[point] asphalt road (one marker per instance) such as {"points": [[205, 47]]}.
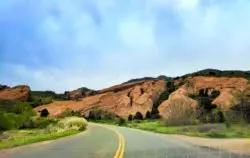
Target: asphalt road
{"points": [[101, 141]]}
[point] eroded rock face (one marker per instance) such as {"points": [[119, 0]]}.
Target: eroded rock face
{"points": [[19, 93], [228, 88], [140, 96], [122, 99]]}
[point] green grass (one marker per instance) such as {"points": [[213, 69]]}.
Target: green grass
{"points": [[23, 137], [202, 130], [63, 127], [205, 130]]}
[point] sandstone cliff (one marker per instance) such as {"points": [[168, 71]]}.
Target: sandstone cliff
{"points": [[18, 93], [122, 100], [228, 88]]}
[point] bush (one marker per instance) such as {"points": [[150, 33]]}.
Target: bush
{"points": [[68, 123], [7, 121], [138, 116], [148, 115], [130, 117], [233, 117], [209, 127], [43, 122], [98, 114], [44, 113], [179, 113], [21, 107], [36, 101], [16, 116], [13, 121], [215, 94], [69, 112], [216, 134], [121, 121], [7, 105]]}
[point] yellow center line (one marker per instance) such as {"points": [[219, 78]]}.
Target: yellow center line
{"points": [[121, 146]]}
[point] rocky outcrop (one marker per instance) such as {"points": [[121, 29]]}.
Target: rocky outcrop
{"points": [[18, 93], [122, 100], [2, 87], [228, 88], [140, 96], [79, 93]]}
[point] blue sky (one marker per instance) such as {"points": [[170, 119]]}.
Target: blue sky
{"points": [[66, 44]]}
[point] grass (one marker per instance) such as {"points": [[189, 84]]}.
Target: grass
{"points": [[64, 127], [23, 137], [202, 130]]}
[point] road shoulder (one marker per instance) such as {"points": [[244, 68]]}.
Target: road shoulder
{"points": [[234, 145]]}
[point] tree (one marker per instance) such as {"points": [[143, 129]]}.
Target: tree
{"points": [[179, 113], [148, 115], [44, 113], [130, 117], [121, 121], [138, 116], [21, 107]]}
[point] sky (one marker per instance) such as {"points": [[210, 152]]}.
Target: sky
{"points": [[66, 44]]}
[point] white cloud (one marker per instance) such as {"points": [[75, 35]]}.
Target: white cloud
{"points": [[136, 34], [98, 44], [187, 4]]}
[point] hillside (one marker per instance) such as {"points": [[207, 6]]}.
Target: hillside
{"points": [[213, 88], [122, 100]]}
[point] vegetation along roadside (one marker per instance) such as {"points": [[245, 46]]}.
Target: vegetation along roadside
{"points": [[20, 125]]}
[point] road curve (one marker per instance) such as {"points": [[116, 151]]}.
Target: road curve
{"points": [[103, 141]]}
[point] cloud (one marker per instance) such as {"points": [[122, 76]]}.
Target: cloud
{"points": [[63, 45]]}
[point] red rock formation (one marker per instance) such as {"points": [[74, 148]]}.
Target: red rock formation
{"points": [[228, 87], [20, 93], [79, 93], [122, 99], [140, 96]]}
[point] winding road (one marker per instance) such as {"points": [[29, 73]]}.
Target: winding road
{"points": [[103, 141]]}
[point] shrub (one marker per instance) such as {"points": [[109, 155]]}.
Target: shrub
{"points": [[148, 115], [98, 114], [68, 123], [232, 117], [68, 112], [121, 121], [216, 134], [42, 122], [138, 116], [178, 113], [130, 117], [16, 116], [7, 121], [209, 127], [21, 107], [13, 121], [7, 105], [44, 113], [36, 101], [155, 113], [215, 94]]}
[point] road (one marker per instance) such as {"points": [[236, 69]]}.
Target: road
{"points": [[103, 141]]}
